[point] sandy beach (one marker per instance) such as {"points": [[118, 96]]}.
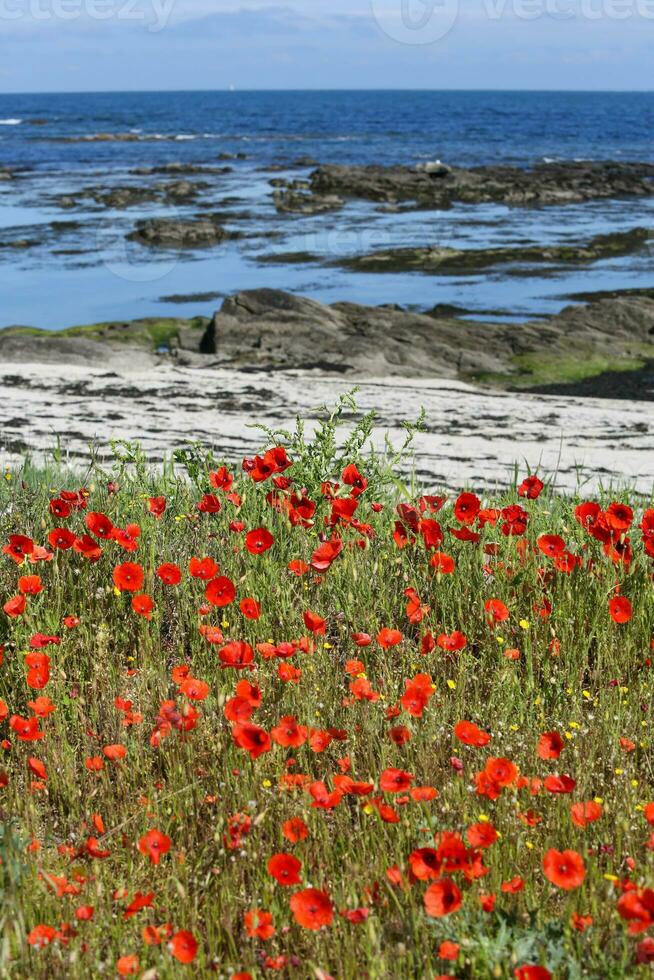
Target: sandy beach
{"points": [[474, 436]]}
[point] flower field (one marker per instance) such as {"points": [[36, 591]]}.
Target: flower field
{"points": [[294, 718]]}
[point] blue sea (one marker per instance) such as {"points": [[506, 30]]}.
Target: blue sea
{"points": [[79, 268]]}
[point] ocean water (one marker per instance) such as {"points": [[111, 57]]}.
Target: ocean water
{"points": [[78, 267]]}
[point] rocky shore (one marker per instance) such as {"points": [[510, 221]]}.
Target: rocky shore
{"points": [[441, 260], [437, 185], [270, 330], [452, 261]]}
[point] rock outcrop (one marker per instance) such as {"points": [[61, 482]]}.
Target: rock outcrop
{"points": [[438, 260], [273, 330], [270, 330], [169, 233], [544, 184]]}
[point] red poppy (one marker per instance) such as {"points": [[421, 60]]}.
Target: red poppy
{"points": [[619, 517], [551, 545], [395, 780], [237, 654], [250, 737], [351, 477], [452, 641], [584, 813], [220, 591], [565, 869], [143, 605], [298, 567], [550, 745], [157, 506], [288, 733], [127, 966], [250, 608], [285, 868], [169, 574], [530, 972], [295, 830], [258, 541], [30, 584], [417, 693], [15, 606], [99, 524], [620, 609], [470, 734], [183, 946], [203, 568], [559, 784], [501, 771], [466, 508], [444, 564], [312, 909], [425, 863], [194, 689], [139, 902], [388, 638], [259, 924], [313, 622], [481, 835], [41, 936], [531, 487], [442, 898], [496, 610], [325, 554], [448, 950], [37, 768], [154, 845], [129, 577]]}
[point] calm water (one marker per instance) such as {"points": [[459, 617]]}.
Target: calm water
{"points": [[85, 271]]}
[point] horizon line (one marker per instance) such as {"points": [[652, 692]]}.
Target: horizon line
{"points": [[244, 91]]}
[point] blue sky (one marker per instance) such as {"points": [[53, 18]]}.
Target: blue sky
{"points": [[89, 45]]}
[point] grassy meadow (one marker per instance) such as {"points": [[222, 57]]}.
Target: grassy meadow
{"points": [[296, 718]]}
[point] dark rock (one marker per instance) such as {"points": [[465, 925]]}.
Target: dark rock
{"points": [[169, 233], [273, 330], [551, 183], [300, 201], [24, 347], [435, 260]]}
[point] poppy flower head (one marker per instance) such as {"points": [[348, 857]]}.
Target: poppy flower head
{"points": [[183, 946], [129, 577], [550, 745], [531, 488], [620, 609], [169, 573], [220, 591], [259, 924], [470, 734], [258, 541], [285, 869], [565, 869], [154, 845], [466, 508], [312, 908], [442, 898]]}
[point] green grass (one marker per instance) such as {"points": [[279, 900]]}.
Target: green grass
{"points": [[531, 370], [594, 688], [150, 332]]}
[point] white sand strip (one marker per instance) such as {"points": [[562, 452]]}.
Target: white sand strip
{"points": [[474, 436]]}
